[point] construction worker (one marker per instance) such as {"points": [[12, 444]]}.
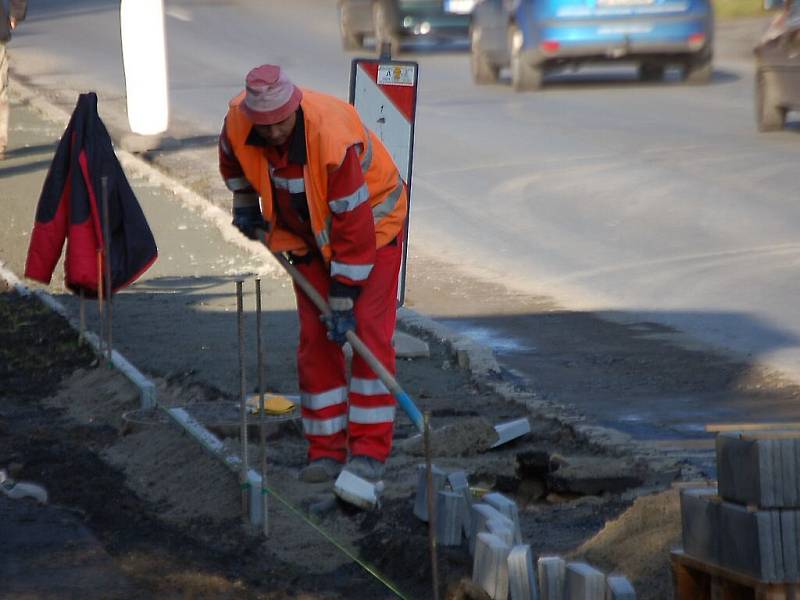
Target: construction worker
{"points": [[8, 23], [332, 200]]}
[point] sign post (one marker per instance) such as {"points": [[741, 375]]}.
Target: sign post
{"points": [[384, 92]]}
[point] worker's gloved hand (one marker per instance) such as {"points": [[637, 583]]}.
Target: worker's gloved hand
{"points": [[341, 299], [247, 216]]}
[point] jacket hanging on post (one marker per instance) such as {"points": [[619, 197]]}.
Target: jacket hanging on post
{"points": [[70, 209]]}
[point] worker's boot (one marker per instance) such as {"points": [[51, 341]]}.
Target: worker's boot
{"points": [[365, 467], [320, 470]]}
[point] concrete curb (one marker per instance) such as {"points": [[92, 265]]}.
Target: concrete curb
{"points": [[147, 395]]}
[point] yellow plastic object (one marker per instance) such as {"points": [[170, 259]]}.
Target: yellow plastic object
{"points": [[274, 404]]}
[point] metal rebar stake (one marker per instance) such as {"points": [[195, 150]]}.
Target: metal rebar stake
{"points": [[101, 312], [244, 483], [107, 264], [82, 326], [431, 506], [262, 434]]}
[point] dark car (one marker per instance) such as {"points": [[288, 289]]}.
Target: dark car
{"points": [[778, 67], [536, 37], [393, 21]]}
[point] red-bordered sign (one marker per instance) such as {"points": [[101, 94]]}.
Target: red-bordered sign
{"points": [[384, 92]]}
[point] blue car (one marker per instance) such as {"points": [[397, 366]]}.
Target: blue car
{"points": [[534, 37]]}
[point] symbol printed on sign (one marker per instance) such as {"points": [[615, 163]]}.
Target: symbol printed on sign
{"points": [[396, 75]]}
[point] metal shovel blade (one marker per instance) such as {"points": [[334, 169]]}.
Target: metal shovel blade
{"points": [[357, 491]]}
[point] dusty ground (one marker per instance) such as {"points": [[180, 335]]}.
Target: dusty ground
{"points": [[169, 516]]}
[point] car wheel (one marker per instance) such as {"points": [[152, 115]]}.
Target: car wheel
{"points": [[384, 18], [350, 39], [651, 72], [483, 71], [769, 115], [524, 76], [698, 72]]}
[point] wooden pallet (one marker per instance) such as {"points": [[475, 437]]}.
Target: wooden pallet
{"points": [[694, 579]]}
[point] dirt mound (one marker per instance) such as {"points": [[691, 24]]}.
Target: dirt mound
{"points": [[466, 437], [637, 544]]}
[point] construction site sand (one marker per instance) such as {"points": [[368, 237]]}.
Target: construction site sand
{"points": [[187, 486], [638, 544]]}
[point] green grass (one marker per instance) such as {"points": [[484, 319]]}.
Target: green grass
{"points": [[738, 8]]}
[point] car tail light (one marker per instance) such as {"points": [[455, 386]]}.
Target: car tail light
{"points": [[549, 46], [697, 41]]}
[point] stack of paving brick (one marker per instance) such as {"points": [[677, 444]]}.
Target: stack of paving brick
{"points": [[502, 564], [751, 523]]}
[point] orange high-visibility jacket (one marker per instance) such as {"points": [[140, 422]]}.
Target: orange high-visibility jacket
{"points": [[331, 126]]}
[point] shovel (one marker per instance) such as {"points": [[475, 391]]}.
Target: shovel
{"points": [[403, 399]]}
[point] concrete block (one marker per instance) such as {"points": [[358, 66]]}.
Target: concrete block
{"points": [[771, 484], [552, 574], [748, 542], [509, 508], [459, 484], [490, 566], [797, 462], [421, 499], [448, 518], [700, 523], [788, 536], [759, 468], [481, 513], [501, 530], [584, 582], [511, 430], [619, 588], [521, 577], [408, 346], [777, 544], [788, 473]]}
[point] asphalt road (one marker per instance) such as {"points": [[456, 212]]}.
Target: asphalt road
{"points": [[645, 201]]}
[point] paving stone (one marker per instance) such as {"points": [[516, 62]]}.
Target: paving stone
{"points": [[772, 483], [448, 518], [481, 513], [511, 430], [759, 468], [584, 582], [790, 532], [777, 544], [619, 588], [501, 530], [408, 346], [748, 544], [490, 566], [788, 474], [797, 462], [459, 484], [421, 499], [509, 508], [552, 574], [521, 577], [700, 523]]}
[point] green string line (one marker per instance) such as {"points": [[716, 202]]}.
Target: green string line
{"points": [[371, 570]]}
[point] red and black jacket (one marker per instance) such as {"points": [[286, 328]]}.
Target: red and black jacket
{"points": [[70, 209]]}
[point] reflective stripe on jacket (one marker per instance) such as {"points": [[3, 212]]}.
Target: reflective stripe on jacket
{"points": [[332, 126]]}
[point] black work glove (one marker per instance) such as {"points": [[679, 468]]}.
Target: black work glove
{"points": [[247, 216], [341, 299]]}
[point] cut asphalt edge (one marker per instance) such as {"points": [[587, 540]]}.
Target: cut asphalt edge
{"points": [[477, 359]]}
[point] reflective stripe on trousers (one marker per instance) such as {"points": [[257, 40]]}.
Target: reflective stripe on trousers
{"points": [[321, 367]]}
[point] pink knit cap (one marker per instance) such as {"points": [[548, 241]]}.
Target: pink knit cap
{"points": [[270, 97]]}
